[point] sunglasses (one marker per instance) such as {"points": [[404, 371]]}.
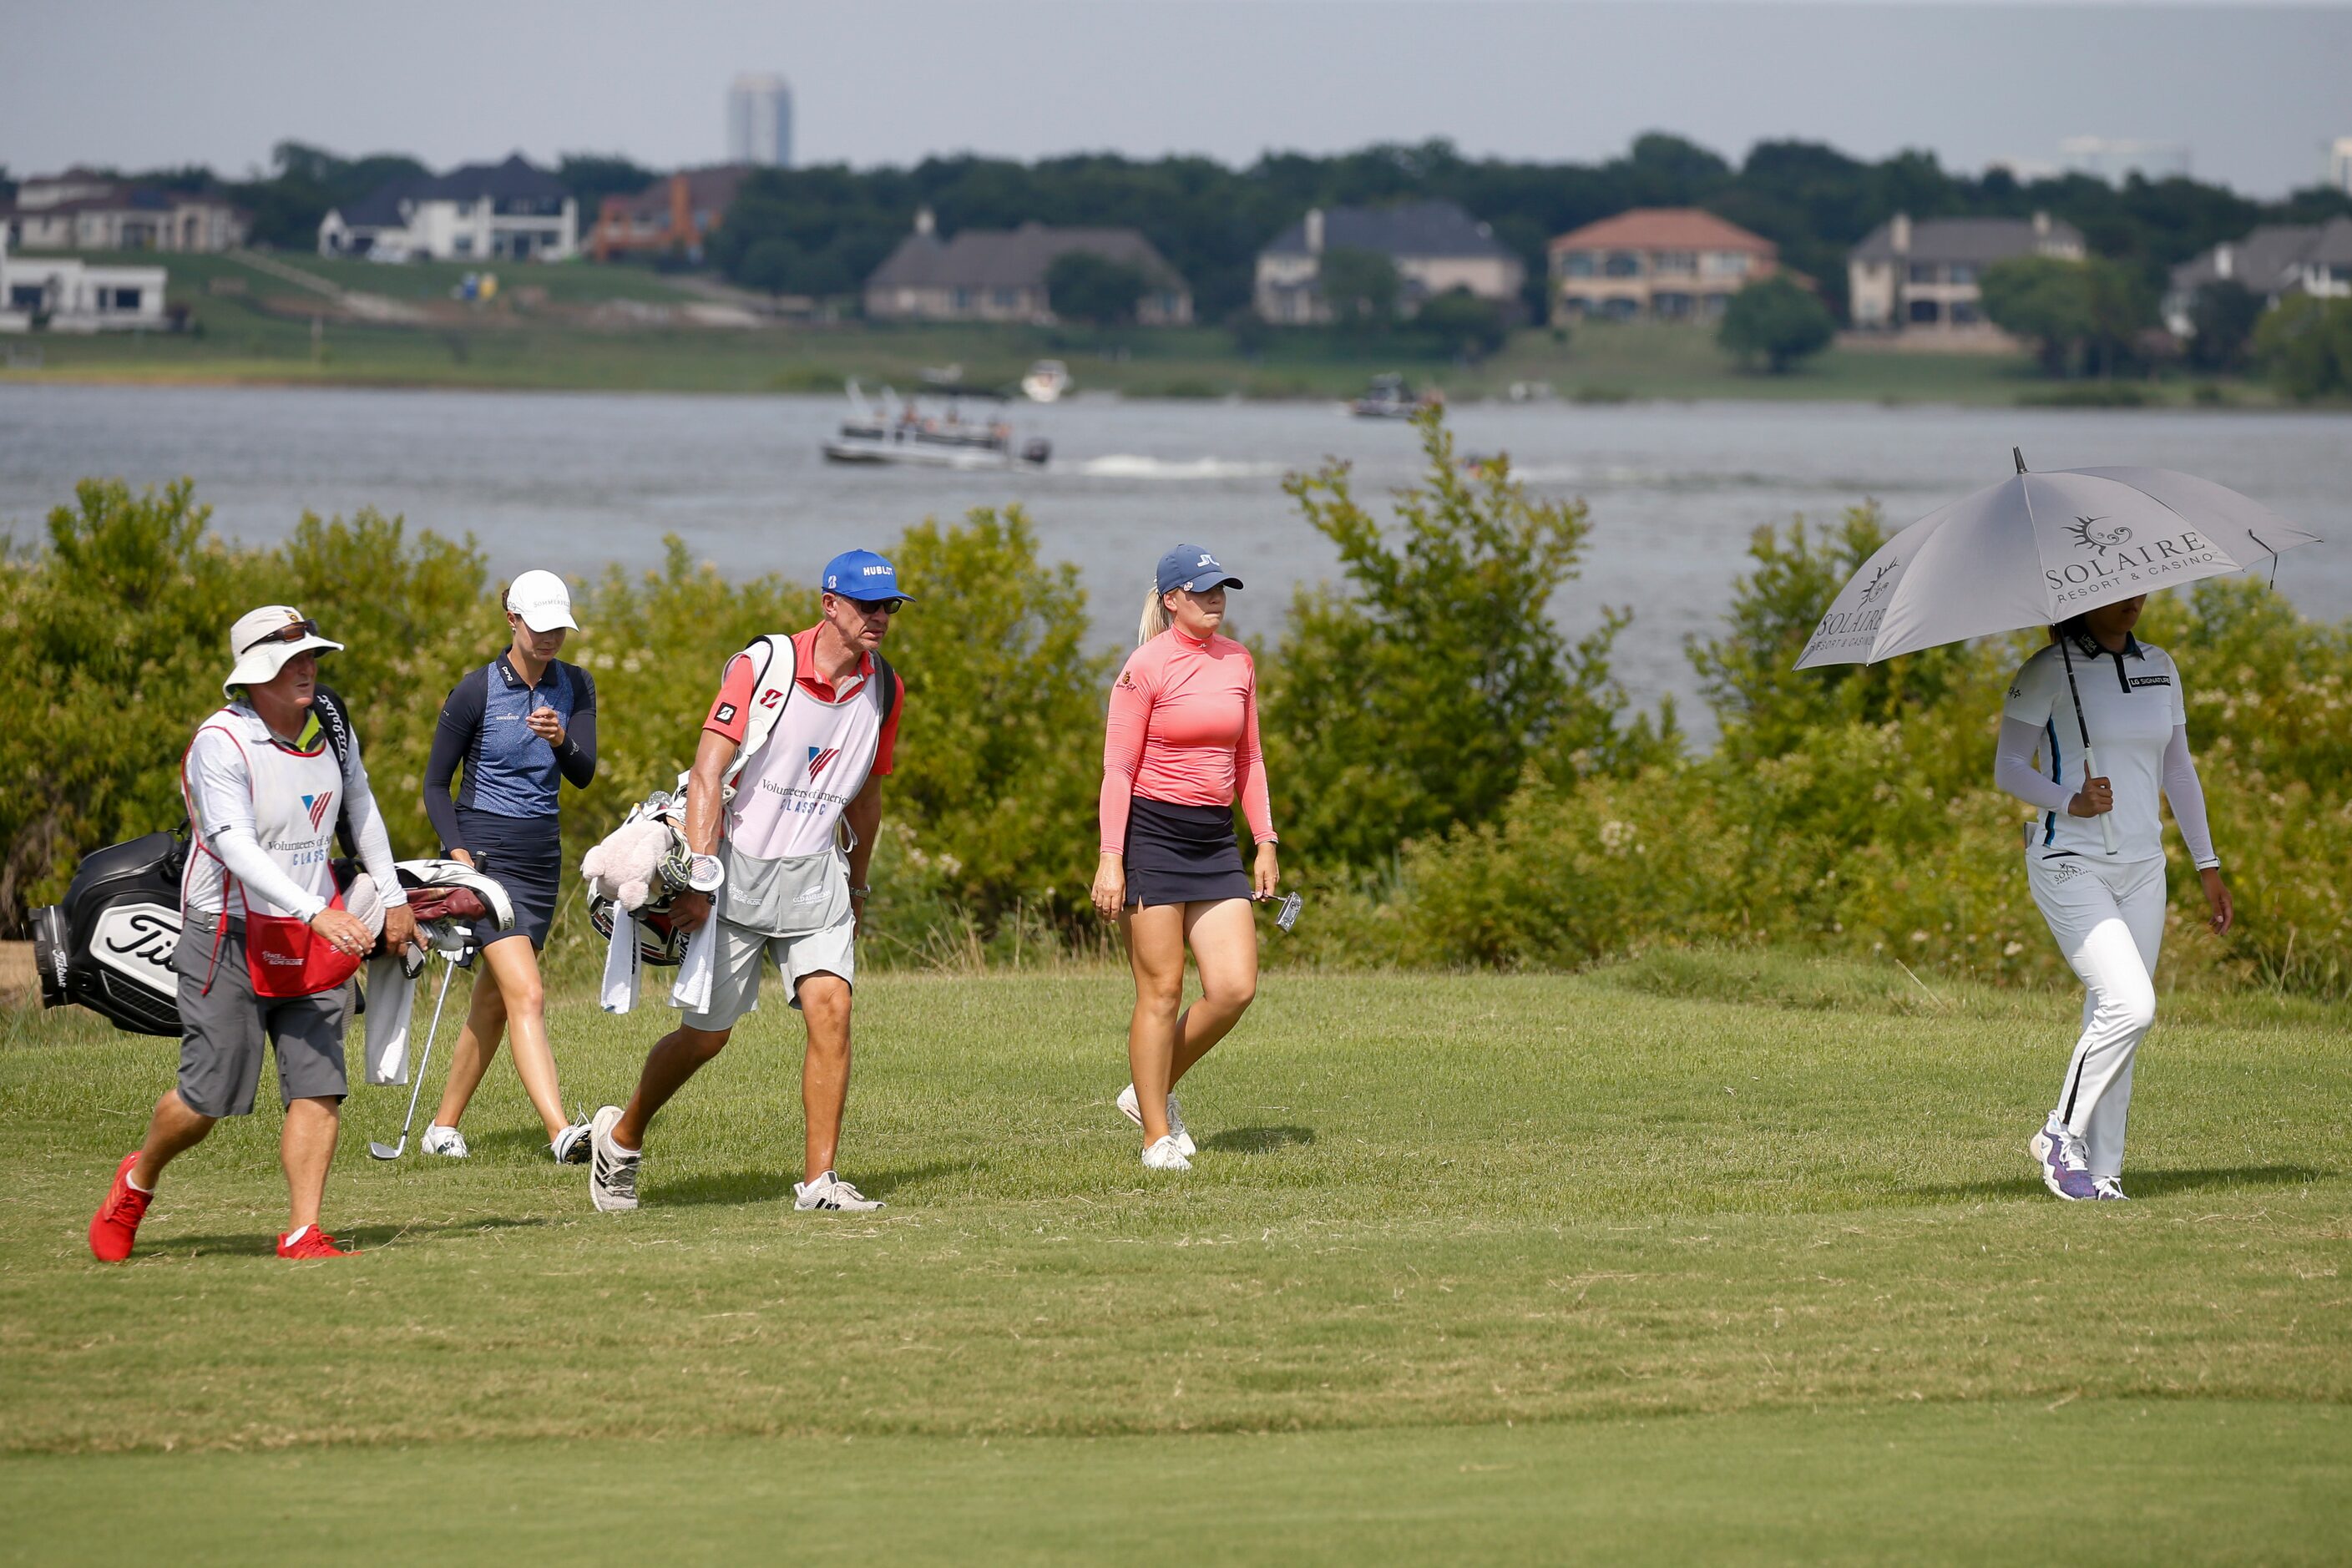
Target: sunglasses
{"points": [[294, 631], [872, 607]]}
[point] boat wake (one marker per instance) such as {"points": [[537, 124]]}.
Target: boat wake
{"points": [[1133, 465]]}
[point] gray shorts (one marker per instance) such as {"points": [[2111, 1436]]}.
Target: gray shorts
{"points": [[743, 955], [222, 1035]]}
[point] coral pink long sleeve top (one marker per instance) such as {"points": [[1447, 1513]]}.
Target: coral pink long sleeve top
{"points": [[1184, 730]]}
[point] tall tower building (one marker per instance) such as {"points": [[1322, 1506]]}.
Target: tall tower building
{"points": [[760, 121]]}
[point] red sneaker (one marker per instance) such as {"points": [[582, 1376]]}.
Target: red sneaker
{"points": [[115, 1226], [311, 1241]]}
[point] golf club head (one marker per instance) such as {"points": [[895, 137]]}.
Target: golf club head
{"points": [[387, 1151]]}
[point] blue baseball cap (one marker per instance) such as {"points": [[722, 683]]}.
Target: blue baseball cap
{"points": [[861, 574], [1191, 567]]}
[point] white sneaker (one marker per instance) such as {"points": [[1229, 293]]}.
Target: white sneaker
{"points": [[830, 1191], [571, 1145], [446, 1141], [2111, 1188], [1129, 1108], [612, 1170], [1165, 1156]]}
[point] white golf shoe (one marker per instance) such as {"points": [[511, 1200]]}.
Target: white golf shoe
{"points": [[446, 1142], [612, 1170], [570, 1146], [830, 1191], [1165, 1156], [1132, 1111]]}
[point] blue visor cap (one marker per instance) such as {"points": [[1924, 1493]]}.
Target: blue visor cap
{"points": [[1192, 567], [861, 574]]}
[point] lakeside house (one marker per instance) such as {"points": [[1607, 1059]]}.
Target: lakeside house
{"points": [[2273, 262], [512, 211], [1659, 264], [998, 275], [675, 214], [1921, 277], [1435, 248], [63, 295], [78, 210]]}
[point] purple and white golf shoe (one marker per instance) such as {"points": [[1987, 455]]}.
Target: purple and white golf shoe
{"points": [[2060, 1154]]}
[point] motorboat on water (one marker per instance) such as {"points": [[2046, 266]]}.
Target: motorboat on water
{"points": [[932, 430], [1391, 398], [1047, 380]]}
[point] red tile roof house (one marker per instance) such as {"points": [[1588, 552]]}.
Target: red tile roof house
{"points": [[1662, 264]]}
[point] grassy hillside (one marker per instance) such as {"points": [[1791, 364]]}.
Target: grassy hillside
{"points": [[621, 328], [1678, 1258]]}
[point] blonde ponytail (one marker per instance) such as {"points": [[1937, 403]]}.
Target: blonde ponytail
{"points": [[1155, 617]]}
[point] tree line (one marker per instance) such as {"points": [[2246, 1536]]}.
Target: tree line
{"points": [[823, 230]]}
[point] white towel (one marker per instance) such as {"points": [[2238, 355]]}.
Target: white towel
{"points": [[391, 997], [624, 964], [698, 969]]}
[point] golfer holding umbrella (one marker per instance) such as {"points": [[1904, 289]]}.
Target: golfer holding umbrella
{"points": [[2102, 888], [2076, 551]]}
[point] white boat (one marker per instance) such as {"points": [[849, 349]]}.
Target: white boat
{"points": [[1046, 381], [931, 430], [1391, 398]]}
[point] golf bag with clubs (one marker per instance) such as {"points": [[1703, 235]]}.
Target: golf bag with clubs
{"points": [[107, 945]]}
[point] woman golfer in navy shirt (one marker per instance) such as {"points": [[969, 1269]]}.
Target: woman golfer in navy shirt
{"points": [[520, 725]]}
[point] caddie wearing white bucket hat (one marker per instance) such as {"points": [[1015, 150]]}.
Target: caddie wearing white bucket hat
{"points": [[267, 779]]}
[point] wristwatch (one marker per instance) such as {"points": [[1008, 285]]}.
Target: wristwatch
{"points": [[704, 874], [858, 892]]}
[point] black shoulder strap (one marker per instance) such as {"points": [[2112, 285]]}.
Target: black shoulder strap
{"points": [[885, 687], [335, 722]]}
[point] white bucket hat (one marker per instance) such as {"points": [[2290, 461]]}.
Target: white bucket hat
{"points": [[262, 641], [542, 601]]}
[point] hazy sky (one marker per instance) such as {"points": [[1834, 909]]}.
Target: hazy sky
{"points": [[2256, 91]]}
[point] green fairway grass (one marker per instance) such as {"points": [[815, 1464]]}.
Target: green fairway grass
{"points": [[1732, 1258]]}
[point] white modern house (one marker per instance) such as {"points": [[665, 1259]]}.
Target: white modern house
{"points": [[69, 296], [512, 211]]}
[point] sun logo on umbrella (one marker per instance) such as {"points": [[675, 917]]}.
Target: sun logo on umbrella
{"points": [[2090, 536], [1879, 586]]}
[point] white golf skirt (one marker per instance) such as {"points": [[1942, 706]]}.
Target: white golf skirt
{"points": [[2109, 921]]}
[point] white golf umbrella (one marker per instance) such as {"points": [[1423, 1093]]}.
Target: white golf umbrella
{"points": [[2037, 549]]}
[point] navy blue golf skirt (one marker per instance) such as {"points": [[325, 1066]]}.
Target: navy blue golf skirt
{"points": [[526, 855], [1182, 854]]}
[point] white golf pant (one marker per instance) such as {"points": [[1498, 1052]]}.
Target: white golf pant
{"points": [[2108, 919]]}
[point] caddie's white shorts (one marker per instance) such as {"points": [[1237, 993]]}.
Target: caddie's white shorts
{"points": [[735, 978]]}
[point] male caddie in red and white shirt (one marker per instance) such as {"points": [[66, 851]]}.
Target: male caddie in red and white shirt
{"points": [[804, 727], [266, 946]]}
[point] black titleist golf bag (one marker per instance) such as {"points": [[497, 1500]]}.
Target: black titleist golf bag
{"points": [[108, 946]]}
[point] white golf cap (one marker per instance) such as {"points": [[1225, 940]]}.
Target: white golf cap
{"points": [[262, 641], [542, 601]]}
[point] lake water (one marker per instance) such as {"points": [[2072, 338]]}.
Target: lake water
{"points": [[573, 480]]}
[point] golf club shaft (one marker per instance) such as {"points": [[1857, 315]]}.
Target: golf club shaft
{"points": [[448, 972]]}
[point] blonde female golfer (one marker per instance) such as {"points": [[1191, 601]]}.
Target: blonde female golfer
{"points": [[2105, 911], [1180, 748]]}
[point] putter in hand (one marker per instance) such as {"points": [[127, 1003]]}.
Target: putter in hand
{"points": [[393, 1151], [1288, 915]]}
